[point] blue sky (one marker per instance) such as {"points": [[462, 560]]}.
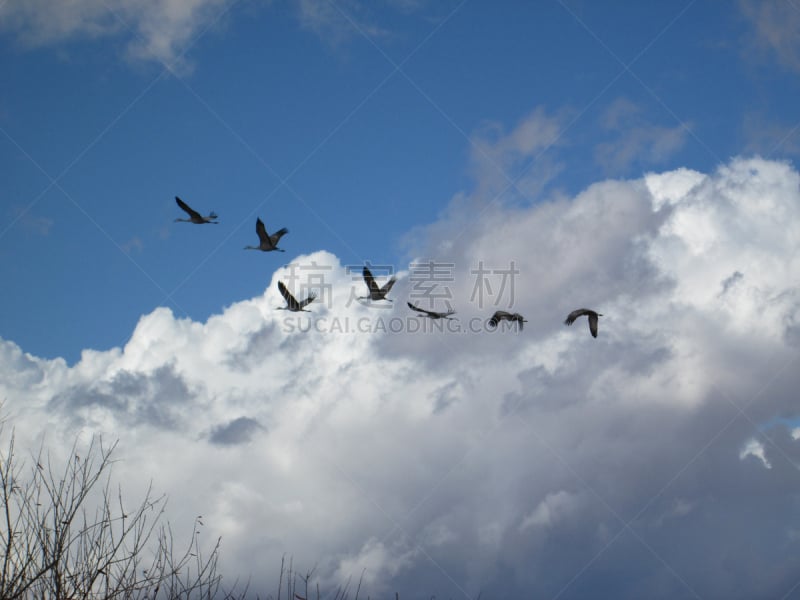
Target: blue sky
{"points": [[306, 120], [630, 156]]}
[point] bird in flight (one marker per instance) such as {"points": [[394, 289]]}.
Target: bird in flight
{"points": [[375, 292], [194, 216], [267, 242], [291, 302], [432, 314], [584, 311], [502, 315]]}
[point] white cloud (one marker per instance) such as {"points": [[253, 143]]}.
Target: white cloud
{"points": [[435, 457], [635, 141], [756, 449], [133, 244], [375, 563], [517, 160], [671, 187], [555, 507], [165, 30], [336, 22], [159, 30], [775, 27], [35, 224]]}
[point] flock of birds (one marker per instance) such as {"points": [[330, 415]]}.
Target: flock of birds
{"points": [[269, 242]]}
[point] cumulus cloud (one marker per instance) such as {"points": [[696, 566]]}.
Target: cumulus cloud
{"points": [[155, 398], [159, 30], [375, 562], [450, 461]]}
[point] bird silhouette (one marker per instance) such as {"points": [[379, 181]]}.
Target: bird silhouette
{"points": [[502, 315], [267, 242], [291, 302], [432, 314], [194, 216], [584, 311], [375, 292]]}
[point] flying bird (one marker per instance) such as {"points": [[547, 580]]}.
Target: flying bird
{"points": [[584, 311], [502, 315], [375, 292], [432, 314], [291, 302], [194, 216], [267, 242]]}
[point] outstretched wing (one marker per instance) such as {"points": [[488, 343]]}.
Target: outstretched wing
{"points": [[191, 212], [418, 309], [309, 300], [290, 300], [262, 232], [275, 237], [575, 314], [593, 324], [388, 286], [373, 287]]}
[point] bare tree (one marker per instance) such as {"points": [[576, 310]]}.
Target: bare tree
{"points": [[67, 533]]}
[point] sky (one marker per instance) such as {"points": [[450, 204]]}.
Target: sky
{"points": [[636, 158]]}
